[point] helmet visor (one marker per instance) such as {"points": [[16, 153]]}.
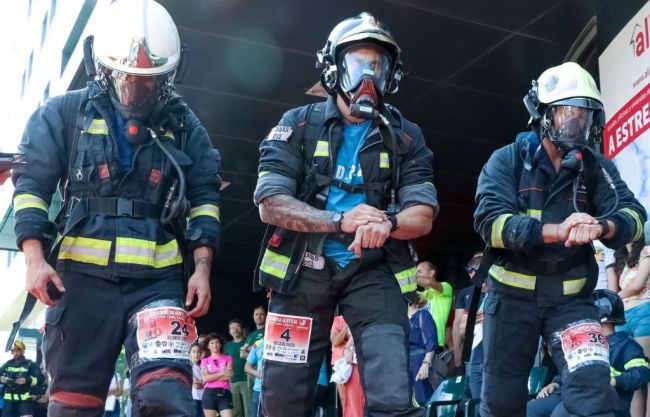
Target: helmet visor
{"points": [[137, 93], [571, 124], [364, 61]]}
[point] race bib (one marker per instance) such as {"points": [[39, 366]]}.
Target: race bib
{"points": [[312, 261], [282, 133], [165, 332], [286, 338], [584, 344]]}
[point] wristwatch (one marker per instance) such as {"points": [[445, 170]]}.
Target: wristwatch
{"points": [[393, 221], [337, 221], [605, 225]]}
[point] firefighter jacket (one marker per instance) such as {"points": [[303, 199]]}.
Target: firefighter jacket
{"points": [[628, 365], [297, 158], [22, 368], [110, 225], [518, 191]]}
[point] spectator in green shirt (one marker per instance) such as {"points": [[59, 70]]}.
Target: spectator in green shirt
{"points": [[438, 294], [259, 317], [238, 385]]}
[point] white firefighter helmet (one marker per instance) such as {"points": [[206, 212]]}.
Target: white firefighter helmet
{"points": [[137, 50]]}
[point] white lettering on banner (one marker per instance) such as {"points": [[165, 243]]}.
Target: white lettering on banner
{"points": [[628, 124]]}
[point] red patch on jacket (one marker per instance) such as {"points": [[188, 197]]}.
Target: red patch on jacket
{"points": [[154, 177], [104, 172]]}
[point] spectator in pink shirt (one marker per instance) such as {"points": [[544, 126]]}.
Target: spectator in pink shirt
{"points": [[216, 371]]}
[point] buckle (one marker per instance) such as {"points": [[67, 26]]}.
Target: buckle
{"points": [[124, 207], [71, 205]]}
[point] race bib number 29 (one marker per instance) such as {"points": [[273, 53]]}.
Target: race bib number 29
{"points": [[165, 332], [286, 338]]}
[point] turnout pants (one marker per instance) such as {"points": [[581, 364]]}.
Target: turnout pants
{"points": [[511, 332], [371, 302], [84, 334]]}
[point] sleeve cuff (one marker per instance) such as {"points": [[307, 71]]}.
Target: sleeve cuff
{"points": [[424, 193], [270, 183]]}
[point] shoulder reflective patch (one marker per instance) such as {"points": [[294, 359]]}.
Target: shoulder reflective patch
{"points": [[282, 133]]}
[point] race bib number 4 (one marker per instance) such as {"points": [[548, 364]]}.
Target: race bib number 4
{"points": [[165, 332], [584, 344], [286, 338]]}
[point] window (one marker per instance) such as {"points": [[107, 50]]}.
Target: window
{"points": [[44, 30], [30, 63], [22, 83], [75, 33], [52, 9], [46, 93]]}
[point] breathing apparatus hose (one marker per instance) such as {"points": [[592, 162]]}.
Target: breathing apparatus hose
{"points": [[171, 209]]}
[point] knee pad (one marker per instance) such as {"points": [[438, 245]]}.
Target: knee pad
{"points": [[73, 404], [381, 350], [164, 393]]}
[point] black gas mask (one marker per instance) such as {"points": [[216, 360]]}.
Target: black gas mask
{"points": [[364, 70]]}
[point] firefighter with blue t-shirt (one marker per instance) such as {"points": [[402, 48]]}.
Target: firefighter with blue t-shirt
{"points": [[343, 185]]}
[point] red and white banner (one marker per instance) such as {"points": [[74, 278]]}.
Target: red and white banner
{"points": [[625, 86]]}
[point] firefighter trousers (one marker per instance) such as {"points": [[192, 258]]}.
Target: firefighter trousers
{"points": [[84, 335], [371, 302], [512, 327]]}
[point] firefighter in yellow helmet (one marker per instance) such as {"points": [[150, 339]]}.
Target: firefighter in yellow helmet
{"points": [[542, 200], [18, 375]]}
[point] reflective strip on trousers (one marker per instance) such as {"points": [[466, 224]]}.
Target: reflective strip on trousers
{"points": [[636, 362], [383, 160], [275, 264], [322, 148], [637, 220], [25, 201], [147, 252], [97, 127], [496, 239], [211, 210], [407, 280], [86, 250], [513, 279]]}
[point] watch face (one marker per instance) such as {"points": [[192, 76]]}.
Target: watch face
{"points": [[336, 217]]}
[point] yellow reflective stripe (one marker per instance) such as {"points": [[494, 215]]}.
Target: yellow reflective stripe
{"points": [[7, 396], [34, 381], [636, 363], [25, 201], [535, 214], [262, 173], [211, 210], [496, 240], [322, 148], [573, 286], [275, 264], [170, 135], [25, 396], [514, 279], [613, 372], [407, 280], [86, 250], [637, 220], [383, 160], [147, 252], [17, 370], [97, 127]]}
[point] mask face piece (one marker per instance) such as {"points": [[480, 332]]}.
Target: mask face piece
{"points": [[569, 126], [363, 73], [135, 96]]}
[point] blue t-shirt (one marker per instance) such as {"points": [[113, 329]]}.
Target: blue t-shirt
{"points": [[124, 147], [255, 358], [347, 170]]}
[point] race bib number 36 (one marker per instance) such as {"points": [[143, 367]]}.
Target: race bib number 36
{"points": [[165, 332], [286, 338], [584, 344]]}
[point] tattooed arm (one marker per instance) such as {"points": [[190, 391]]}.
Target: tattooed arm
{"points": [[292, 214]]}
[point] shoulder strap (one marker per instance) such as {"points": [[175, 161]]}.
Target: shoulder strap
{"points": [[73, 120], [311, 130]]}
